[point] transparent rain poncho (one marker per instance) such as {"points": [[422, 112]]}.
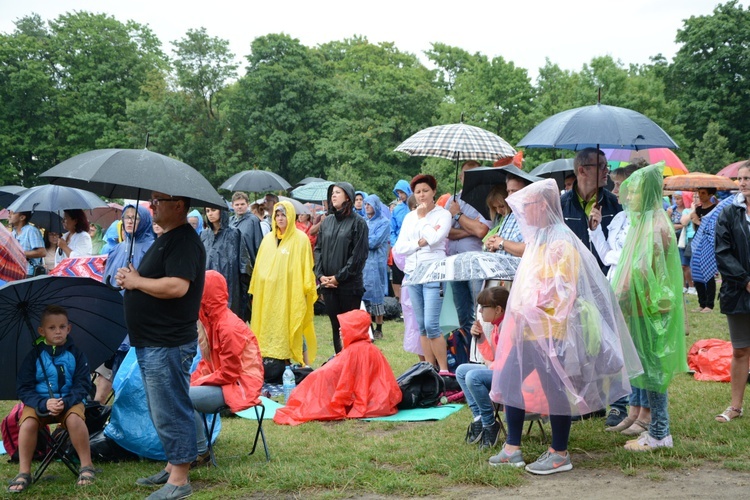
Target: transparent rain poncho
{"points": [[648, 282], [564, 348]]}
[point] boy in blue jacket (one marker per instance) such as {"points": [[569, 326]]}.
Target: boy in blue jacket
{"points": [[52, 383]]}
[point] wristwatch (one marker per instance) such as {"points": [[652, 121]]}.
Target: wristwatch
{"points": [[501, 245], [457, 216]]}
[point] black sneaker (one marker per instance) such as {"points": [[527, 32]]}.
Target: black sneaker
{"points": [[474, 432], [614, 417], [490, 436]]}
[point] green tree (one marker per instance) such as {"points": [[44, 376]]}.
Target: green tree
{"points": [[709, 75], [711, 153]]}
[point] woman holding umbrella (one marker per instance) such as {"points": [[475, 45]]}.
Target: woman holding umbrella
{"points": [[733, 260], [76, 242]]}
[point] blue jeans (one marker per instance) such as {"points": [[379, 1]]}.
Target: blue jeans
{"points": [[166, 380], [659, 427], [426, 301], [476, 380], [465, 298], [206, 399], [639, 398]]}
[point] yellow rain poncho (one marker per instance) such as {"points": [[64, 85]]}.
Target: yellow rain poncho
{"points": [[283, 289]]}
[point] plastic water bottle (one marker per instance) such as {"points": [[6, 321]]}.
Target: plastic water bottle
{"points": [[289, 383]]}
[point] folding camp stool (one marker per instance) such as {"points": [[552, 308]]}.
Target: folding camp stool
{"points": [[531, 418], [258, 433], [58, 443]]}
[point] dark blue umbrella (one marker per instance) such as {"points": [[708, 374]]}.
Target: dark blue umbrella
{"points": [[599, 126], [8, 194], [95, 312], [555, 169]]}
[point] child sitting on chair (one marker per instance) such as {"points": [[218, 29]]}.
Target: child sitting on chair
{"points": [[476, 379], [52, 383]]}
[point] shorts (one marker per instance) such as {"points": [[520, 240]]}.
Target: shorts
{"points": [[397, 275], [685, 261], [29, 412], [739, 330]]}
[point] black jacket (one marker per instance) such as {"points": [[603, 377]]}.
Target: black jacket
{"points": [[342, 247], [576, 220], [733, 260]]}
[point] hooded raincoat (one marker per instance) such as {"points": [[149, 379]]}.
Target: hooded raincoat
{"points": [[284, 292], [231, 355], [561, 320], [361, 211], [224, 254], [144, 238], [357, 383], [400, 211], [648, 282], [376, 267]]}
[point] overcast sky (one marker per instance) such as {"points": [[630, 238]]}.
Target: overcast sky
{"points": [[569, 33]]}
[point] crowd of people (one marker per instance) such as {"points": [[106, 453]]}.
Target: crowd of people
{"points": [[594, 318]]}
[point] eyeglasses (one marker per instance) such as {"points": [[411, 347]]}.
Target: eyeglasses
{"points": [[602, 166], [130, 218], [155, 201]]}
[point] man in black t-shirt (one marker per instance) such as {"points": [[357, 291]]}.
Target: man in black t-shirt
{"points": [[162, 299]]}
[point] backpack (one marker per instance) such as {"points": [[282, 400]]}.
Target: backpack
{"points": [[10, 426], [421, 386], [459, 346]]}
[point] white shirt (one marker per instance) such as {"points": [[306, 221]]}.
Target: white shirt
{"points": [[433, 227], [80, 246], [610, 248]]}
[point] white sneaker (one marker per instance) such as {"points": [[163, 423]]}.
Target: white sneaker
{"points": [[684, 289], [692, 291]]}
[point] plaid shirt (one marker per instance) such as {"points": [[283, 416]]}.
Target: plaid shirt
{"points": [[30, 239], [510, 231]]}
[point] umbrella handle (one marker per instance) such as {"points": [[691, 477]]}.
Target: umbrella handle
{"points": [[108, 282], [591, 220], [38, 352]]}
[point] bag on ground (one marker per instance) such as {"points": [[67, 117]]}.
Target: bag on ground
{"points": [[421, 386]]}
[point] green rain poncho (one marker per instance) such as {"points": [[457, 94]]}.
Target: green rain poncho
{"points": [[648, 282]]}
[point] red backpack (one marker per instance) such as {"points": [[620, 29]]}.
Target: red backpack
{"points": [[10, 426]]}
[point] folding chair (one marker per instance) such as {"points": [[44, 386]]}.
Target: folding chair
{"points": [[531, 418], [58, 443], [259, 433]]}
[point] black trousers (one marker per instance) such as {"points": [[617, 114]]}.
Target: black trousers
{"points": [[706, 292], [338, 302]]}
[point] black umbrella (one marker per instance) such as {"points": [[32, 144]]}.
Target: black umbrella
{"points": [[95, 312], [478, 182], [47, 202], [555, 169], [8, 194], [256, 181], [134, 173], [308, 180]]}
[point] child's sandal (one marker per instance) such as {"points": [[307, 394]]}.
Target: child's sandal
{"points": [[23, 480], [729, 414]]}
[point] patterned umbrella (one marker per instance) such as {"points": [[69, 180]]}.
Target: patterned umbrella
{"points": [[12, 259], [457, 141], [467, 266], [89, 267], [313, 191], [618, 158]]}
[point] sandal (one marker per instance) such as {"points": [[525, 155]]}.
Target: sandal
{"points": [[626, 422], [23, 480], [86, 477], [729, 414], [638, 428]]}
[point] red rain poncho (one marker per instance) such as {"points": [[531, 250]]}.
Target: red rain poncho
{"points": [[232, 357], [711, 359], [357, 383]]}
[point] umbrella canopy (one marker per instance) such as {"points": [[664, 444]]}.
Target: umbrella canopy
{"points": [[308, 180], [478, 182], [555, 169], [697, 180], [618, 158], [95, 312], [730, 170], [104, 216], [8, 194], [255, 181], [457, 141], [299, 207], [599, 126], [313, 191], [134, 173], [88, 267], [466, 266], [12, 258], [51, 198]]}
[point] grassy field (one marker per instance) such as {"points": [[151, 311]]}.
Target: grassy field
{"points": [[353, 458]]}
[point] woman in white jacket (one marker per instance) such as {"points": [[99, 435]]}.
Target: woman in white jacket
{"points": [[423, 238]]}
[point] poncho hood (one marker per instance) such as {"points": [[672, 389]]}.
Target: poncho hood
{"points": [[215, 298], [355, 327], [291, 217]]}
